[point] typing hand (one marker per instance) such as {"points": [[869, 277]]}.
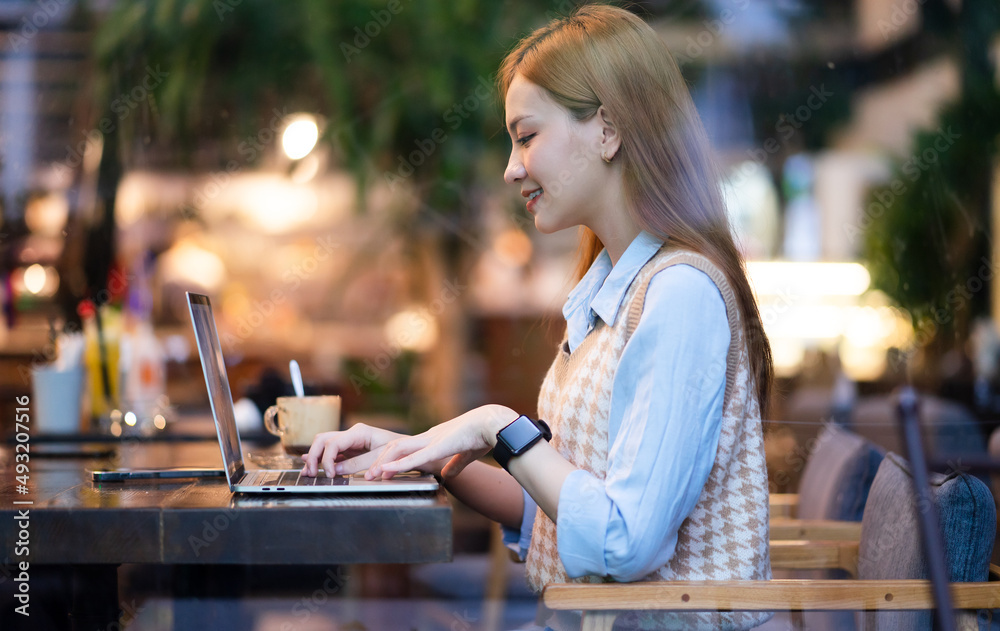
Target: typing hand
{"points": [[346, 452], [448, 447]]}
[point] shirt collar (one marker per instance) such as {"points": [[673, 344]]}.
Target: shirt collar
{"points": [[601, 290]]}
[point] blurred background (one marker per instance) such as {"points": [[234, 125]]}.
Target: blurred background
{"points": [[330, 173]]}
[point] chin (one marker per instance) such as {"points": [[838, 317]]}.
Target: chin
{"points": [[543, 228], [546, 227]]}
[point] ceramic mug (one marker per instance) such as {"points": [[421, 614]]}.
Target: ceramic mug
{"points": [[297, 420]]}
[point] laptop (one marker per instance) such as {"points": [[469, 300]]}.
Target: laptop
{"points": [[270, 480]]}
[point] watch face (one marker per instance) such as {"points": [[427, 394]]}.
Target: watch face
{"points": [[520, 433]]}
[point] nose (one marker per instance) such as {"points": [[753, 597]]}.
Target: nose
{"points": [[515, 171]]}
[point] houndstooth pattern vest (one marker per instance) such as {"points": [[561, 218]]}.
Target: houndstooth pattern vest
{"points": [[726, 535]]}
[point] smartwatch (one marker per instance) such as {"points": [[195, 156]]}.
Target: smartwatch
{"points": [[518, 437]]}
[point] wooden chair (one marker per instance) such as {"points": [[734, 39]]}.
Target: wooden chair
{"points": [[886, 560], [785, 525], [603, 603], [838, 473], [834, 488]]}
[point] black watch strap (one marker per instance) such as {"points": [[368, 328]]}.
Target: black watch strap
{"points": [[518, 437]]}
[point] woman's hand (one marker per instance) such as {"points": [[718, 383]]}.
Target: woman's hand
{"points": [[456, 442], [353, 450]]}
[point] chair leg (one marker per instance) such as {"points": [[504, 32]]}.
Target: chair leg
{"points": [[798, 620], [496, 585], [598, 620]]}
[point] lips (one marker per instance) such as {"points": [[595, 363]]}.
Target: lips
{"points": [[532, 197]]}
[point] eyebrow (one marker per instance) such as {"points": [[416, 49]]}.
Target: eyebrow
{"points": [[511, 128]]}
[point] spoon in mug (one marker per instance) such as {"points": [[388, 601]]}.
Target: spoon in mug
{"points": [[293, 367]]}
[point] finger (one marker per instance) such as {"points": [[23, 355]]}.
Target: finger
{"points": [[414, 460], [392, 451], [330, 454], [457, 464], [328, 447], [315, 452], [331, 450], [309, 461], [431, 446], [314, 462], [360, 462]]}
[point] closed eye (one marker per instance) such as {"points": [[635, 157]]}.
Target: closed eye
{"points": [[523, 141]]}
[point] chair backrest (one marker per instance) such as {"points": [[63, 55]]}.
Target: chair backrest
{"points": [[947, 427], [837, 476], [835, 484], [891, 545]]}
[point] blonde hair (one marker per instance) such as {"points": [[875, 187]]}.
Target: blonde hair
{"points": [[603, 55]]}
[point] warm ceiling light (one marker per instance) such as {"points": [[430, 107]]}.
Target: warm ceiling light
{"points": [[414, 329], [189, 264], [34, 278], [783, 278], [300, 136]]}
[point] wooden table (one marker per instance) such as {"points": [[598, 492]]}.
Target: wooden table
{"points": [[91, 528]]}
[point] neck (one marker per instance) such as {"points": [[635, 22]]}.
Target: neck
{"points": [[616, 233], [617, 244], [614, 226]]}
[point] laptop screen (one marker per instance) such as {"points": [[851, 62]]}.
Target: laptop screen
{"points": [[219, 395]]}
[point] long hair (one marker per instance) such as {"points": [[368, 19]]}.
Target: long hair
{"points": [[603, 55]]}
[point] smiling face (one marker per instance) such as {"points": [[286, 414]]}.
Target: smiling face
{"points": [[556, 160]]}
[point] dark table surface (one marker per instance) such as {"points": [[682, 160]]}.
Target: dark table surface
{"points": [[73, 520]]}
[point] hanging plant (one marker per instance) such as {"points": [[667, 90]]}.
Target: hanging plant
{"points": [[406, 87], [926, 231]]}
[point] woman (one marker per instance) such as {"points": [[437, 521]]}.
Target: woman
{"points": [[655, 469]]}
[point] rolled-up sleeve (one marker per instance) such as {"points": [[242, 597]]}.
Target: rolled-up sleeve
{"points": [[665, 419]]}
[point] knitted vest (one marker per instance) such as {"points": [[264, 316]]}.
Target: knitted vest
{"points": [[726, 535]]}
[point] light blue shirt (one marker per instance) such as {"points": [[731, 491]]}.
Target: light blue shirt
{"points": [[666, 415]]}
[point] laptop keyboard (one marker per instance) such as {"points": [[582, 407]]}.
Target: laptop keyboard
{"points": [[290, 478]]}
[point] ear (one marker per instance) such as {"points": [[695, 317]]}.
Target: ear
{"points": [[610, 139]]}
